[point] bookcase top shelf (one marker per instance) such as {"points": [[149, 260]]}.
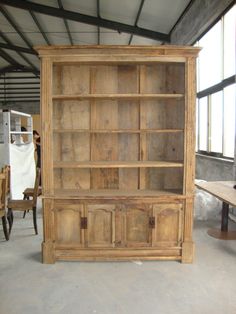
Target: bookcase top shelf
{"points": [[162, 50]]}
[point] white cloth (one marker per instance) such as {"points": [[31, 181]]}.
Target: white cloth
{"points": [[22, 169]]}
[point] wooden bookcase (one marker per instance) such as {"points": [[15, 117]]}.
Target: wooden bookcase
{"points": [[117, 152]]}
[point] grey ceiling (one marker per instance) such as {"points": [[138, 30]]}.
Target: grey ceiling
{"points": [[24, 24]]}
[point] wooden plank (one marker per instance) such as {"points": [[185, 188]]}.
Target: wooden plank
{"points": [[164, 113], [174, 72], [46, 125], [165, 146], [71, 255], [105, 80], [73, 80], [223, 190], [109, 96], [118, 131], [128, 149], [116, 194], [48, 232], [113, 60], [66, 113], [128, 79], [142, 125], [118, 164], [165, 179], [189, 144], [189, 158], [72, 178], [104, 115], [117, 50]]}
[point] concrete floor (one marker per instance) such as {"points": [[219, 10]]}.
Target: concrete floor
{"points": [[28, 287]]}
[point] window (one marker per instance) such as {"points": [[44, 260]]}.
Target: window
{"points": [[203, 115], [216, 89], [229, 120], [209, 73]]}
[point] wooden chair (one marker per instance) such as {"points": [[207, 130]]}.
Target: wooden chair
{"points": [[3, 197], [24, 205], [28, 193]]}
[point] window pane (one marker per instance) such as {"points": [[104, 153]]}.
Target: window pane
{"points": [[216, 122], [229, 42], [196, 144], [203, 123], [210, 58], [229, 120]]}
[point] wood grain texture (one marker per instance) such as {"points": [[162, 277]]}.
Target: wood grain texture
{"points": [[223, 190], [169, 225], [46, 125]]}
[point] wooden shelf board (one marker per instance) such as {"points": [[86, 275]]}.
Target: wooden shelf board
{"points": [[73, 193], [118, 131], [117, 164], [115, 96]]}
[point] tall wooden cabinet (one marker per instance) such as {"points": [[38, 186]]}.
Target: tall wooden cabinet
{"points": [[117, 152]]}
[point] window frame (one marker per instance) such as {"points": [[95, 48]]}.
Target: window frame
{"points": [[208, 92]]}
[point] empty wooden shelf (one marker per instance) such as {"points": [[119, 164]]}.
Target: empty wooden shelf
{"points": [[117, 152]]}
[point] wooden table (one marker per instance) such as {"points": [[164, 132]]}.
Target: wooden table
{"points": [[224, 191]]}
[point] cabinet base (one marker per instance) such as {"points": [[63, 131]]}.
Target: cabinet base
{"points": [[188, 249], [109, 254], [48, 252]]}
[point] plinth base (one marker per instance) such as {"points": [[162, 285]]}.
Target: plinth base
{"points": [[223, 235]]}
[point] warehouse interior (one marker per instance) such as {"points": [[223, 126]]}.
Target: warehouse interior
{"points": [[31, 31]]}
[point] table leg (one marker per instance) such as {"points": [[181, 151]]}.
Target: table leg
{"points": [[224, 217], [223, 234]]}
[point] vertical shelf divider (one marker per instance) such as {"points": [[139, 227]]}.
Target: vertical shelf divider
{"points": [[142, 125]]}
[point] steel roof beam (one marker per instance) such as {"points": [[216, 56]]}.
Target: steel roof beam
{"points": [[39, 27], [18, 48], [16, 97], [66, 23], [87, 19], [7, 40], [14, 25], [17, 69], [20, 93], [8, 58], [17, 77], [98, 15], [19, 83], [19, 88], [137, 18]]}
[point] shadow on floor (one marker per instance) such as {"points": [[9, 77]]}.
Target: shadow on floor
{"points": [[35, 257]]}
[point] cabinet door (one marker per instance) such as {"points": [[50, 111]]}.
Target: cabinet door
{"points": [[100, 226], [168, 225], [68, 229], [136, 231]]}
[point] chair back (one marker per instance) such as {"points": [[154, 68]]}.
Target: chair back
{"points": [[36, 187], [2, 184], [6, 171], [4, 175], [3, 190]]}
